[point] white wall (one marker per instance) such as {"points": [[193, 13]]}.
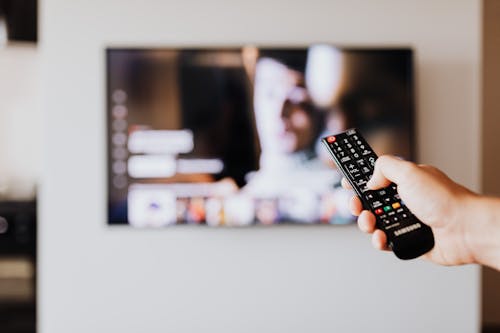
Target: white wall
{"points": [[20, 120], [284, 279]]}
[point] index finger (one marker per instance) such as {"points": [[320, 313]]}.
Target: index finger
{"points": [[390, 169]]}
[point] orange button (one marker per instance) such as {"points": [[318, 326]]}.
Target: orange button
{"points": [[396, 205]]}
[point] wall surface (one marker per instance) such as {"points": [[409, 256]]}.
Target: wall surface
{"points": [[20, 120], [285, 279]]}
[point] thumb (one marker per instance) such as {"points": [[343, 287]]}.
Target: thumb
{"points": [[390, 169]]}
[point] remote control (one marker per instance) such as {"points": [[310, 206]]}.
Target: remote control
{"points": [[407, 236]]}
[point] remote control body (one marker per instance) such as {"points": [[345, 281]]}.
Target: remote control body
{"points": [[407, 236]]}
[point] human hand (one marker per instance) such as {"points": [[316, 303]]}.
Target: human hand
{"points": [[433, 198]]}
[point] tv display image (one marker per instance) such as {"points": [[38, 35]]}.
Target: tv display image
{"points": [[231, 136]]}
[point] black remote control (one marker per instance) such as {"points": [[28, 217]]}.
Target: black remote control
{"points": [[407, 236]]}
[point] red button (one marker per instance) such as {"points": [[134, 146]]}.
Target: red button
{"points": [[378, 211], [330, 139]]}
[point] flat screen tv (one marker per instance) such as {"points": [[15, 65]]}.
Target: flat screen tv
{"points": [[230, 136]]}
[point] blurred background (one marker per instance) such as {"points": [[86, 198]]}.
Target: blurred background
{"points": [[84, 86], [20, 163]]}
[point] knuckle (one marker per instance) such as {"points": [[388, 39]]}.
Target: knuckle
{"points": [[381, 160], [408, 170], [428, 167]]}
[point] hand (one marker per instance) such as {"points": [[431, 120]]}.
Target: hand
{"points": [[433, 198]]}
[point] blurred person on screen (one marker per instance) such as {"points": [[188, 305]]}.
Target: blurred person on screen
{"points": [[289, 127]]}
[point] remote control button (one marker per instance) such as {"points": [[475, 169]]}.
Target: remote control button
{"points": [[353, 140], [363, 166], [345, 159], [391, 213], [357, 177], [364, 189], [382, 193], [369, 196], [361, 163], [395, 219], [404, 215], [330, 139], [386, 221], [387, 208], [366, 170], [376, 204], [371, 160], [387, 200], [396, 205], [397, 196], [360, 182], [365, 152], [355, 172], [400, 210], [378, 211]]}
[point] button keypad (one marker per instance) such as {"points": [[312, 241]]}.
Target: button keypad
{"points": [[357, 161]]}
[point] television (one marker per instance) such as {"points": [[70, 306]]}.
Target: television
{"points": [[231, 136]]}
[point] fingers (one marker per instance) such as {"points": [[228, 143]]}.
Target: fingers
{"points": [[379, 240], [387, 169], [366, 222], [390, 169], [431, 169], [345, 184], [355, 206]]}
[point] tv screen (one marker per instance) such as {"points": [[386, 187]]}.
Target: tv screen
{"points": [[230, 137]]}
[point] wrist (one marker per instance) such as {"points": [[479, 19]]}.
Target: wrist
{"points": [[481, 222]]}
